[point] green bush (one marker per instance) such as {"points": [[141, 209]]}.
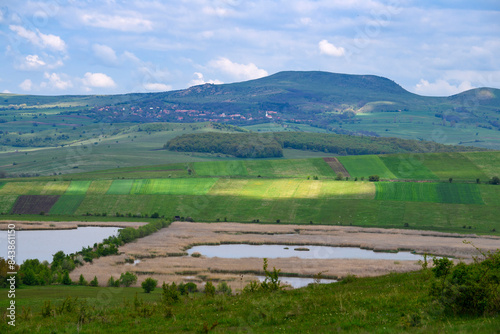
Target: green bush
{"points": [[209, 289], [149, 284], [94, 282], [127, 279], [468, 289]]}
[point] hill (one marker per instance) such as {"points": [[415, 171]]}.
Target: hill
{"points": [[340, 103]]}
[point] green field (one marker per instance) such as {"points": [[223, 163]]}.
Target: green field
{"points": [[67, 204], [268, 190], [78, 188], [366, 165], [429, 192], [408, 166], [454, 165], [487, 162]]}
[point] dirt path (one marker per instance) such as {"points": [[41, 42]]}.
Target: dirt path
{"points": [[160, 253]]}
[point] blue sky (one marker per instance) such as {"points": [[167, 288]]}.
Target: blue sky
{"points": [[57, 47]]}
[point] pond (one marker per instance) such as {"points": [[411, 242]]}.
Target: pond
{"points": [[42, 244], [238, 251], [299, 282]]}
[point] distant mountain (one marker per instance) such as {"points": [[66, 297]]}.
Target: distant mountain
{"points": [[342, 103]]}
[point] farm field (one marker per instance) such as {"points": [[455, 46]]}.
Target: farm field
{"points": [[366, 165], [297, 191]]}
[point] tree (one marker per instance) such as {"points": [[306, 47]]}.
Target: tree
{"points": [[94, 282], [65, 279], [339, 177], [128, 278], [149, 284], [495, 180], [373, 178], [82, 281], [209, 289]]}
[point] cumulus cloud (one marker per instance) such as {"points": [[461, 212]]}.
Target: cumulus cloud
{"points": [[105, 53], [157, 87], [56, 81], [199, 79], [329, 49], [26, 85], [44, 41], [33, 62], [441, 87], [114, 22], [98, 80], [36, 63], [238, 71]]}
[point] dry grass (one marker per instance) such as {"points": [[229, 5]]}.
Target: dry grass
{"points": [[156, 252], [48, 225]]}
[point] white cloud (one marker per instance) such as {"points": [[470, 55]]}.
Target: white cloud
{"points": [[329, 49], [44, 41], [200, 80], [105, 53], [99, 80], [6, 91], [238, 71], [441, 88], [157, 87], [122, 23], [55, 81], [26, 85], [33, 62]]}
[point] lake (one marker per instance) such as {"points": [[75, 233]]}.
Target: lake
{"points": [[42, 244], [238, 251]]}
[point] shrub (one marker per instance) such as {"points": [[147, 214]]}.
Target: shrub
{"points": [[209, 289], [170, 294], [149, 284], [468, 289], [65, 279], [373, 178], [272, 281], [127, 279], [495, 180], [224, 289]]}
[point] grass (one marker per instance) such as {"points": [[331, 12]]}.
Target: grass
{"points": [[408, 166], [6, 202], [78, 188], [221, 168], [120, 187], [429, 192], [194, 186], [393, 303], [99, 187], [67, 204], [487, 162], [453, 165], [366, 165]]}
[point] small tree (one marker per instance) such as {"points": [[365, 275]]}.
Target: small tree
{"points": [[224, 289], [170, 294], [94, 282], [339, 177], [65, 279], [149, 284], [373, 178], [450, 180], [82, 281]]}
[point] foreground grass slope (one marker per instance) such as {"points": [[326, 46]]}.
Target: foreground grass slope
{"points": [[396, 303]]}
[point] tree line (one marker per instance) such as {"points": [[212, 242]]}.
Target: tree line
{"points": [[271, 145]]}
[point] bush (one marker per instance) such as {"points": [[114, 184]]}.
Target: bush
{"points": [[209, 289], [82, 281], [65, 279], [149, 284], [373, 178], [495, 180], [170, 294], [224, 289], [468, 289], [127, 279]]}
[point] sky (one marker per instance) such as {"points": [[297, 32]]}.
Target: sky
{"points": [[60, 47]]}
